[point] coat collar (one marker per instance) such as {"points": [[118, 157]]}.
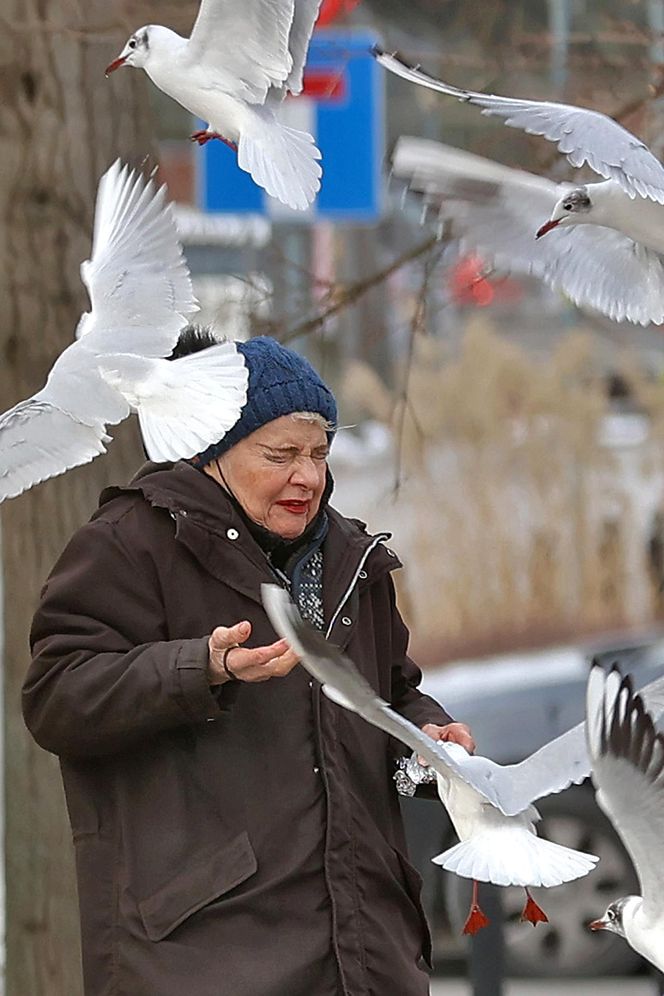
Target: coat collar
{"points": [[210, 527]]}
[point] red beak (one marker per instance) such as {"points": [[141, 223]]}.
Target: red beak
{"points": [[546, 228], [115, 65], [597, 925]]}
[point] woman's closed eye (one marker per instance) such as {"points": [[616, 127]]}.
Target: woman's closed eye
{"points": [[286, 456]]}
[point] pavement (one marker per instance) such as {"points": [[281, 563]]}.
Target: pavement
{"points": [[553, 987]]}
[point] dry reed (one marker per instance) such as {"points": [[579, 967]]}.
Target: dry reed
{"points": [[518, 525]]}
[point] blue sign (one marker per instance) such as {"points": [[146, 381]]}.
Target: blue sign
{"points": [[343, 107]]}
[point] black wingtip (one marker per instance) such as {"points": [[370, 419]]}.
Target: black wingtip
{"points": [[631, 732], [379, 52], [612, 668]]}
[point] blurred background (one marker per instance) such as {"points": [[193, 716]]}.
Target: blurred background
{"points": [[511, 442]]}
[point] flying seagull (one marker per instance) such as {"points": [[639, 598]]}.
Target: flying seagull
{"points": [[234, 70], [141, 295], [607, 237], [628, 772], [494, 847]]}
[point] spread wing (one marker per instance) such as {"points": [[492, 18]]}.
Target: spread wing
{"points": [[584, 136], [511, 788], [344, 684], [603, 269], [60, 427], [496, 210], [558, 764], [38, 441], [137, 279], [628, 772], [243, 47], [140, 291], [306, 15]]}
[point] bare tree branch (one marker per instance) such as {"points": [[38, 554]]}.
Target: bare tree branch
{"points": [[343, 297], [417, 327]]}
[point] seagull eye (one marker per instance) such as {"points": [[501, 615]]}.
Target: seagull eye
{"points": [[568, 207], [132, 44], [611, 915]]}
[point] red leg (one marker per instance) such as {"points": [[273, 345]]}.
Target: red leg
{"points": [[202, 137], [532, 913], [476, 918]]}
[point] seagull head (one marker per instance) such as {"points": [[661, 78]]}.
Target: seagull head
{"points": [[136, 52], [571, 209], [613, 917]]}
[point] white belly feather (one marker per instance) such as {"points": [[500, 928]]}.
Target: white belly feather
{"points": [[224, 113], [503, 849]]}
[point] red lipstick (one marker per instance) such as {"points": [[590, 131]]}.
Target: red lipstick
{"points": [[295, 506]]}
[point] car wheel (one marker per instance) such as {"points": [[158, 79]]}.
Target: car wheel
{"points": [[564, 946]]}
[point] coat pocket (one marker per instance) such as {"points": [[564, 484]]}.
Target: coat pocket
{"points": [[413, 882], [213, 873]]}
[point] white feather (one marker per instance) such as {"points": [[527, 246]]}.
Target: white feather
{"points": [[140, 290], [240, 60], [183, 405], [282, 160], [515, 856], [504, 846], [628, 773]]}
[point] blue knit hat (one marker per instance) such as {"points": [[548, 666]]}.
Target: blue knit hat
{"points": [[280, 382]]}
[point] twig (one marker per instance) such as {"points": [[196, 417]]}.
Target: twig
{"points": [[417, 325], [353, 292]]}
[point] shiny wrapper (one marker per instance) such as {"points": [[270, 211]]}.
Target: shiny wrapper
{"points": [[410, 773]]}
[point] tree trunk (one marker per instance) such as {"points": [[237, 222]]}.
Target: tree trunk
{"points": [[62, 124]]}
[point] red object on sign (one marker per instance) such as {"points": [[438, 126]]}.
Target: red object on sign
{"points": [[470, 283], [325, 84], [332, 9]]}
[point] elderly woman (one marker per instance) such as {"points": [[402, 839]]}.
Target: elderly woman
{"points": [[236, 833]]}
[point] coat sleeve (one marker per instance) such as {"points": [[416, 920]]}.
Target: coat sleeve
{"points": [[407, 699], [103, 675]]}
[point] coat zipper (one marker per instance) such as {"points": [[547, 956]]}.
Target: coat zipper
{"points": [[344, 598], [323, 771]]}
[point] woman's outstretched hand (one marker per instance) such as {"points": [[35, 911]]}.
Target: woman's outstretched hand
{"points": [[243, 663]]}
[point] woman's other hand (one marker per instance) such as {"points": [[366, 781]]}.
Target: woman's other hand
{"points": [[456, 733]]}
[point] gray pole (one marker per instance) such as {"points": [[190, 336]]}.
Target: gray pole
{"points": [[559, 25], [656, 24], [487, 947]]}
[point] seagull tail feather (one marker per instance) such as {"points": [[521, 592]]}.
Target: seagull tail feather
{"points": [[282, 160], [192, 402], [515, 856]]}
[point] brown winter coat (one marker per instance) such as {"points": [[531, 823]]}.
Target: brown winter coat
{"points": [[245, 844]]}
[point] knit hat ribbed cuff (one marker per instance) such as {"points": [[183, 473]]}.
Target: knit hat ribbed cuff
{"points": [[281, 382]]}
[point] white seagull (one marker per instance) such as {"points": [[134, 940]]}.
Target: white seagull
{"points": [[606, 243], [494, 847], [141, 295], [241, 60], [490, 805], [628, 772]]}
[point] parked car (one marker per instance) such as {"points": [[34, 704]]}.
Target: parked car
{"points": [[514, 704]]}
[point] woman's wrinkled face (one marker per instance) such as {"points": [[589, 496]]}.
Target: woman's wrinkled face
{"points": [[278, 474]]}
